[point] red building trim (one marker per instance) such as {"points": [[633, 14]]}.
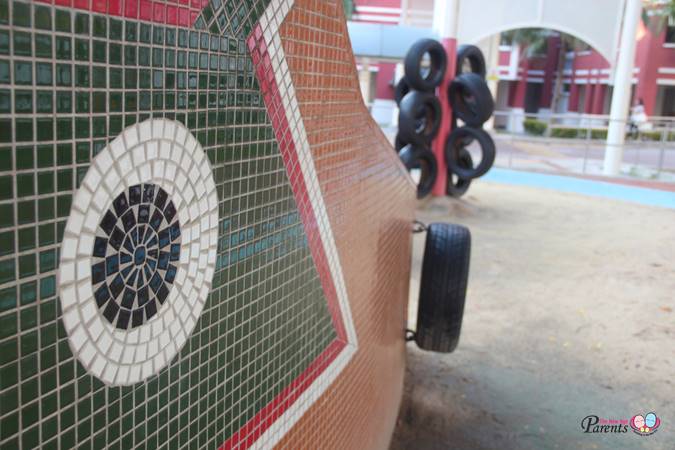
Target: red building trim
{"points": [[591, 72], [183, 13]]}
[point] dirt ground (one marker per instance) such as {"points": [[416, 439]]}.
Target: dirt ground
{"points": [[570, 312]]}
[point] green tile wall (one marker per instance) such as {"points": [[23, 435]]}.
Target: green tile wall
{"points": [[71, 81]]}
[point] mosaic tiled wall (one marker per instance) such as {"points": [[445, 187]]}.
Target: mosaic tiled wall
{"points": [[204, 239]]}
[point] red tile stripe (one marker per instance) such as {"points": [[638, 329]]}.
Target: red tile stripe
{"points": [[272, 97], [263, 420], [182, 13], [246, 436]]}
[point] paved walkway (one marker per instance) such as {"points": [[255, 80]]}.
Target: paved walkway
{"points": [[636, 191]]}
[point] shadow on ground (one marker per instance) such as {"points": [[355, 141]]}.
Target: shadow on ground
{"points": [[569, 313]]}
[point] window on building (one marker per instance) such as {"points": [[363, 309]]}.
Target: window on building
{"points": [[670, 31], [665, 101], [533, 97]]}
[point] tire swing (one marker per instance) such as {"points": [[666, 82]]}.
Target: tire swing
{"points": [[445, 275]]}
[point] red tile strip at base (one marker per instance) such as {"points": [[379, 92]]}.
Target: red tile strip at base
{"points": [[263, 420], [183, 13]]}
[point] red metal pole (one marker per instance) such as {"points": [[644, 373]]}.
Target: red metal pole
{"points": [[438, 145]]}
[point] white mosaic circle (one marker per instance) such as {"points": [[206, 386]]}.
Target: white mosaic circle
{"points": [[165, 154]]}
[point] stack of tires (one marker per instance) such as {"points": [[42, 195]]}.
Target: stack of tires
{"points": [[472, 103], [420, 116]]}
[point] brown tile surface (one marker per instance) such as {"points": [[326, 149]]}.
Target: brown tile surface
{"points": [[370, 204]]}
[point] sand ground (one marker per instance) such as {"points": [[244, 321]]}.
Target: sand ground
{"points": [[570, 312]]}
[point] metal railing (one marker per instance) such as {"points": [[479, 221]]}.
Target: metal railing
{"points": [[576, 144]]}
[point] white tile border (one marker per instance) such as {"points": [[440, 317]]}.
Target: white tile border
{"points": [[270, 22], [278, 9]]}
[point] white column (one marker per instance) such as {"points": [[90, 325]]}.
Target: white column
{"points": [[446, 13], [491, 51], [399, 72], [623, 82], [364, 81], [403, 20]]}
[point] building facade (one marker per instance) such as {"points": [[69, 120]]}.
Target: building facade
{"points": [[526, 84]]}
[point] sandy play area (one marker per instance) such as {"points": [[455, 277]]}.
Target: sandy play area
{"points": [[570, 312]]}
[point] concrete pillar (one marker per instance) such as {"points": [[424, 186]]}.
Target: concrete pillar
{"points": [[446, 15], [622, 89], [492, 61], [364, 80], [404, 13], [399, 72]]}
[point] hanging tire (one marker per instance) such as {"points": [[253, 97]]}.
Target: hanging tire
{"points": [[471, 99], [421, 78], [458, 186], [400, 91], [445, 275], [455, 144], [420, 158], [419, 117], [473, 56]]}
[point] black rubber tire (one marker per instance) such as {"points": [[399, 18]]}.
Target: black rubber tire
{"points": [[471, 99], [474, 56], [458, 187], [413, 60], [399, 143], [419, 117], [455, 144], [400, 90], [420, 157], [445, 275]]}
